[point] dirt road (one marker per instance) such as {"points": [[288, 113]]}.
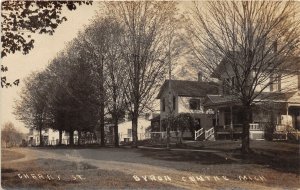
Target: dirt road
{"points": [[199, 170]]}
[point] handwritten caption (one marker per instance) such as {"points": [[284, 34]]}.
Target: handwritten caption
{"points": [[195, 179], [50, 177], [3, 80]]}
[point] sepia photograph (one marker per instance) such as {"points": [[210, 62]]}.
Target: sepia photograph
{"points": [[150, 94]]}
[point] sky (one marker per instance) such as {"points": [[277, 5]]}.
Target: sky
{"points": [[45, 49]]}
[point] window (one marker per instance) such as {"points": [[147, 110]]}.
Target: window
{"points": [[226, 85], [232, 82], [163, 103], [174, 102], [129, 133], [194, 104], [46, 130], [275, 82]]}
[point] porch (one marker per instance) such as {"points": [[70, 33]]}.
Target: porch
{"points": [[277, 115]]}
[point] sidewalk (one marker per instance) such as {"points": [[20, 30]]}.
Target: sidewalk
{"points": [[178, 149]]}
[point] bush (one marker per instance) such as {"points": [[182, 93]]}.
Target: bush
{"points": [[269, 131]]}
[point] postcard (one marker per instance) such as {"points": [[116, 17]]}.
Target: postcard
{"points": [[150, 94]]}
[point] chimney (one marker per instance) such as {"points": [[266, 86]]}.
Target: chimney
{"points": [[200, 76]]}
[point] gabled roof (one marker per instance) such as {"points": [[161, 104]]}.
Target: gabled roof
{"points": [[224, 62], [292, 63], [190, 88]]}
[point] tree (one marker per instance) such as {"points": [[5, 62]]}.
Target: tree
{"points": [[22, 18], [255, 43], [74, 94], [58, 71], [183, 122], [32, 108], [98, 41], [10, 136], [114, 69], [143, 50]]}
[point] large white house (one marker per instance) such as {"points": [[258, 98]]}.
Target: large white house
{"points": [[277, 101], [50, 137]]}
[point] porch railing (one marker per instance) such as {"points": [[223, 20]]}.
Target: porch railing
{"points": [[256, 127], [209, 133], [199, 133]]}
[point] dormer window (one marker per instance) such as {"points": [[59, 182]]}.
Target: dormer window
{"points": [[275, 83], [227, 85], [195, 104], [232, 82]]}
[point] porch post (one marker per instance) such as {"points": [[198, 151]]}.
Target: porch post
{"points": [[231, 123], [216, 111], [287, 109]]}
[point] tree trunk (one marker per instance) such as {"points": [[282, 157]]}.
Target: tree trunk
{"points": [[247, 119], [79, 137], [102, 132], [41, 137], [71, 137], [181, 136], [134, 129], [116, 133], [60, 137]]}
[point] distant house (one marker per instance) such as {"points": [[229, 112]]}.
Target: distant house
{"points": [[50, 137], [125, 130], [274, 105], [182, 96]]}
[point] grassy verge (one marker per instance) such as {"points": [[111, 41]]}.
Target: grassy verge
{"points": [[7, 155]]}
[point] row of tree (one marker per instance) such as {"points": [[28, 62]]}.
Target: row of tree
{"points": [[115, 65], [121, 59], [10, 136]]}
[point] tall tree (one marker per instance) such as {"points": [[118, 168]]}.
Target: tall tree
{"points": [[32, 108], [95, 40], [255, 41], [115, 78], [20, 19], [143, 50], [74, 100]]}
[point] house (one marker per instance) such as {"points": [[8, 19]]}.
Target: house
{"points": [[125, 130], [50, 137], [182, 96], [277, 105]]}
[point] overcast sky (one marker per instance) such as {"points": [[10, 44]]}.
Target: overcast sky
{"points": [[45, 48]]}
